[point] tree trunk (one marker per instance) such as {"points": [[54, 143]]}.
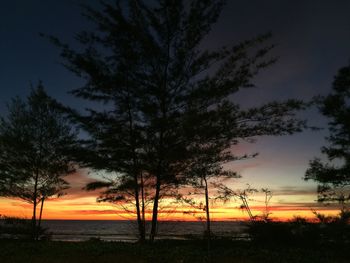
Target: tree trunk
{"points": [[143, 205], [34, 220], [155, 211], [40, 217], [246, 205], [138, 212], [35, 195], [136, 187], [207, 211]]}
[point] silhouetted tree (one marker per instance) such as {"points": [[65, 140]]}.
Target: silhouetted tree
{"points": [[212, 147], [207, 165], [333, 177], [35, 139], [267, 198], [120, 190], [225, 194], [163, 90]]}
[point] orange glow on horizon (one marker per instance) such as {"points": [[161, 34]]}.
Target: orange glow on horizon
{"points": [[86, 208], [81, 205]]}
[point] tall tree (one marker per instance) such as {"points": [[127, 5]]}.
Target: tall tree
{"points": [[147, 63], [35, 139], [212, 146], [333, 176]]}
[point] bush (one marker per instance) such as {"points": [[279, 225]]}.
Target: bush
{"points": [[270, 232], [20, 228], [299, 231]]}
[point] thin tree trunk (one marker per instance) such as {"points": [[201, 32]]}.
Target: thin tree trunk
{"points": [[208, 231], [143, 204], [136, 186], [207, 207], [246, 205], [161, 148], [35, 194], [138, 212], [155, 211], [40, 216], [34, 219]]}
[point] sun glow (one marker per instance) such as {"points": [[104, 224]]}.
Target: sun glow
{"points": [[86, 208], [79, 204]]}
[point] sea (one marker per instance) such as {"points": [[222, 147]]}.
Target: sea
{"points": [[126, 231]]}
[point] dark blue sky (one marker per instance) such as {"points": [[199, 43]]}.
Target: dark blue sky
{"points": [[313, 42]]}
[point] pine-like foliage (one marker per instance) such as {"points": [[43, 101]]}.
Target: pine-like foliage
{"points": [[35, 139], [334, 177], [164, 94]]}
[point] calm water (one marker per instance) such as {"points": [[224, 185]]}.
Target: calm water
{"points": [[76, 230]]}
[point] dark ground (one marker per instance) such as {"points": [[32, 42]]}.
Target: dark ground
{"points": [[12, 251]]}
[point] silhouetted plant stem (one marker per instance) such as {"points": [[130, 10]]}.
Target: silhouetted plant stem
{"points": [[207, 211], [246, 206], [143, 204], [208, 231], [35, 194], [40, 216], [138, 212], [155, 211], [41, 212]]}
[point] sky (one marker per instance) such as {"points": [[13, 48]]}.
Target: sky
{"points": [[312, 42]]}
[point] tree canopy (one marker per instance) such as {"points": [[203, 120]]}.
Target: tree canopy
{"points": [[165, 96], [334, 176], [35, 139]]}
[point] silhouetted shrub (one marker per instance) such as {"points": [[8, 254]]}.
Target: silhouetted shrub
{"points": [[335, 228], [94, 239], [20, 228], [300, 231], [270, 232]]}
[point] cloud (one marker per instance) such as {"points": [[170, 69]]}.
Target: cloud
{"points": [[98, 212], [289, 207], [77, 182], [22, 205], [292, 190]]}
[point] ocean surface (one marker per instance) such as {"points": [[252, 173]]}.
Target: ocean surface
{"points": [[76, 230]]}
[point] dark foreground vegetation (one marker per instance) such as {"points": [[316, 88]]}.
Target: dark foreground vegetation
{"points": [[298, 240], [170, 251]]}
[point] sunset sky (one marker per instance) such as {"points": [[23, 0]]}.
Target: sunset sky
{"points": [[312, 38]]}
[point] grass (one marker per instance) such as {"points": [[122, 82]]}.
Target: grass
{"points": [[12, 251]]}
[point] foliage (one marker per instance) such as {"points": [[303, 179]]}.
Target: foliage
{"points": [[244, 196], [166, 99], [334, 177], [300, 230], [20, 228], [35, 141]]}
